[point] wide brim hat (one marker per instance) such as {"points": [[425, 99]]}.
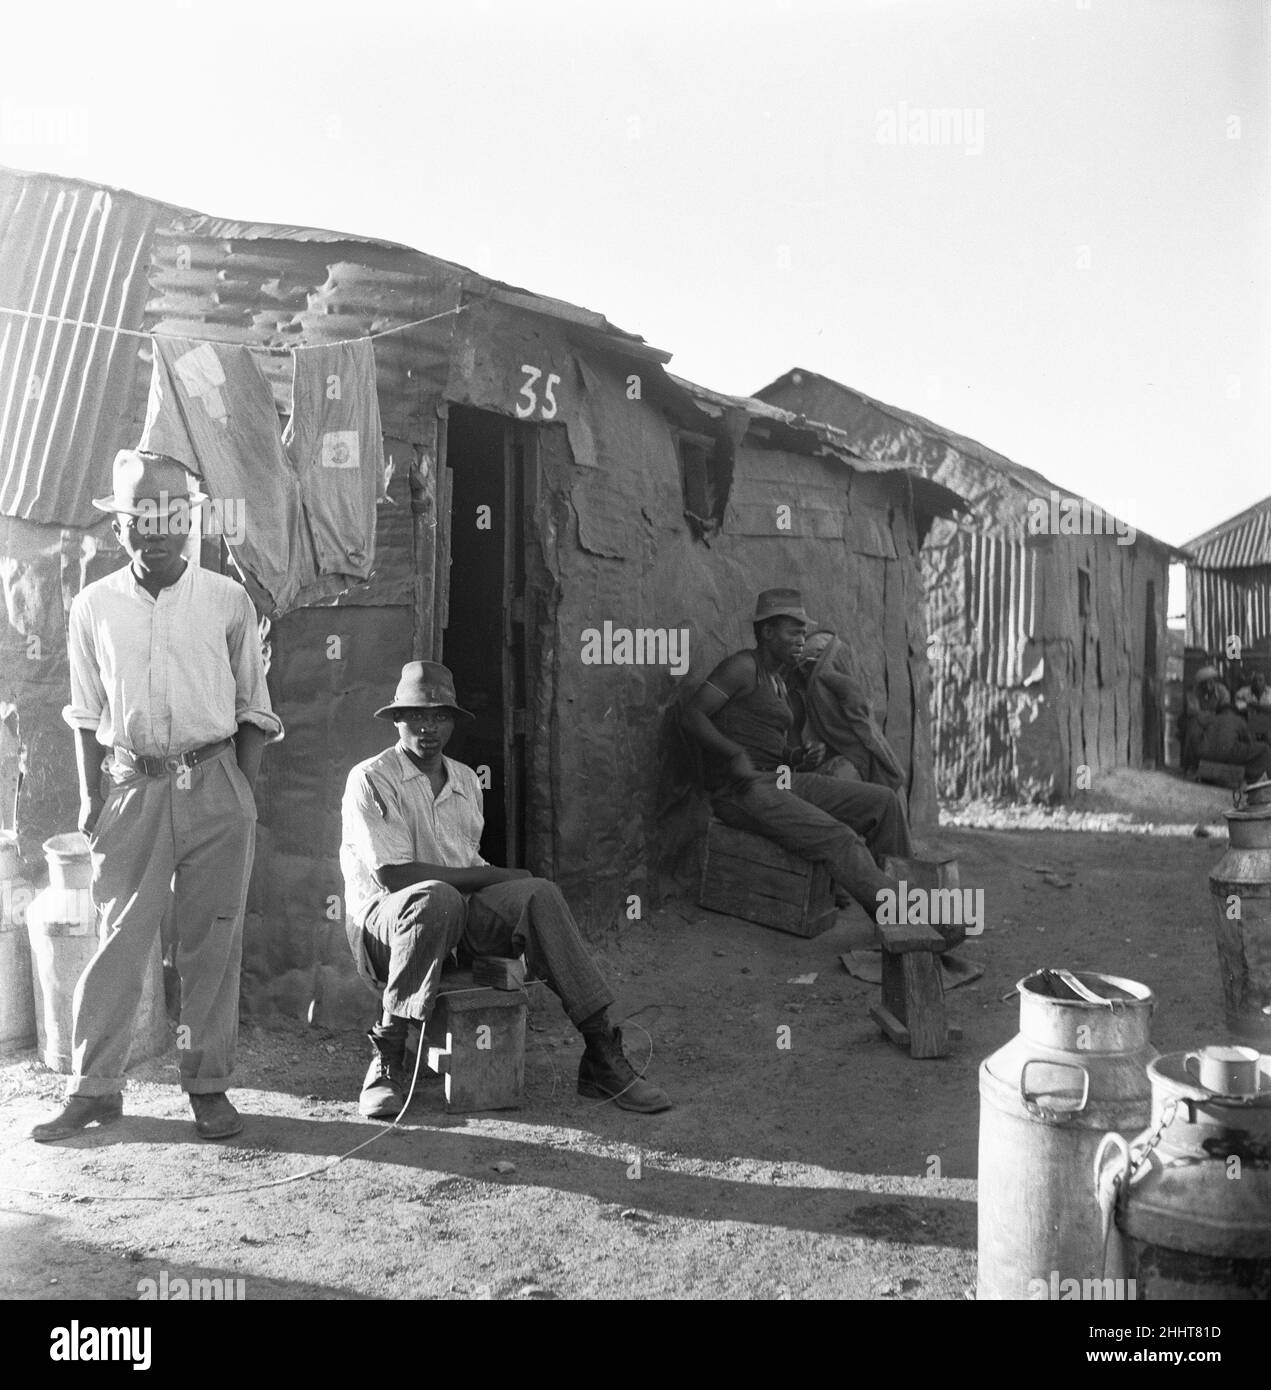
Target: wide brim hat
{"points": [[145, 482], [424, 685], [1207, 673], [780, 603]]}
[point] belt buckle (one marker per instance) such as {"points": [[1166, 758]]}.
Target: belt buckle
{"points": [[171, 764]]}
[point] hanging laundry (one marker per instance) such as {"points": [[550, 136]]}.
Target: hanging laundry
{"points": [[308, 525], [335, 443]]}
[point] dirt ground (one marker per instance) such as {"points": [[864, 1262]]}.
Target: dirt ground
{"points": [[835, 1168]]}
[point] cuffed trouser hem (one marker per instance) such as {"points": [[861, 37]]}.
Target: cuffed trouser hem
{"points": [[579, 1012], [204, 1085], [94, 1086]]}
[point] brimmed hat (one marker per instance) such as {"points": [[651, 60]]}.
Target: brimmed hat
{"points": [[1207, 673], [780, 603], [424, 685], [160, 482]]}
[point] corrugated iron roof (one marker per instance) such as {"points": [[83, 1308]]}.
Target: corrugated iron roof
{"points": [[1241, 542], [70, 396], [813, 436], [1027, 479]]}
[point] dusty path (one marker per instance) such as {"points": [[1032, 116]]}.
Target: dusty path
{"points": [[780, 1173]]}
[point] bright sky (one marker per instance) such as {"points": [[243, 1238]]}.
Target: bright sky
{"points": [[1074, 270]]}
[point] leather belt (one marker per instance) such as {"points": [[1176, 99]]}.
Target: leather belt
{"points": [[160, 767]]}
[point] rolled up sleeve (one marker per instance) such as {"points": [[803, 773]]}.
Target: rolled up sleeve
{"points": [[87, 708], [374, 827], [251, 692]]}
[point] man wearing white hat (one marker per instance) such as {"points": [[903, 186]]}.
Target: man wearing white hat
{"points": [[416, 887], [742, 717], [167, 678]]}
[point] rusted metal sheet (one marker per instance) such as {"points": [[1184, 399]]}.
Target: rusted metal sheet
{"points": [[70, 396]]}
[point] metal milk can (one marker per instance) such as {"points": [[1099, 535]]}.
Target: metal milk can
{"points": [[1074, 1072], [17, 998], [1193, 1191], [61, 925], [1241, 887]]}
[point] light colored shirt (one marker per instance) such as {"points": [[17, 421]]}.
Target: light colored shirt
{"points": [[390, 816], [165, 674]]}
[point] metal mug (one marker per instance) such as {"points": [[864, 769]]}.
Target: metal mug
{"points": [[1225, 1070]]}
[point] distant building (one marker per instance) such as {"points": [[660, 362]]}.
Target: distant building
{"points": [[1229, 589], [1046, 616]]}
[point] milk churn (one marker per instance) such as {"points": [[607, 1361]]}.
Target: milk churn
{"points": [[1074, 1072], [62, 929], [17, 996], [1241, 887], [1194, 1190]]}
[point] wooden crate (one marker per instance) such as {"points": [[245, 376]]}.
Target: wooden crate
{"points": [[476, 1040], [750, 877]]}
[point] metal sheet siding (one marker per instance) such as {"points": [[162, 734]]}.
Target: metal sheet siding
{"points": [[1241, 542], [1222, 605], [70, 396]]}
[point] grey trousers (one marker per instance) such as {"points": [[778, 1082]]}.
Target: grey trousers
{"points": [[186, 837], [845, 825], [408, 935]]}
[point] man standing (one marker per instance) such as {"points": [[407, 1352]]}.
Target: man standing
{"points": [[166, 672], [742, 717], [416, 886]]}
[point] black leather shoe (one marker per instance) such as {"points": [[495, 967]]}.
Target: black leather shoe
{"points": [[214, 1116], [383, 1091], [76, 1112], [604, 1073]]}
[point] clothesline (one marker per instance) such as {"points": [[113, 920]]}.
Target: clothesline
{"points": [[251, 347]]}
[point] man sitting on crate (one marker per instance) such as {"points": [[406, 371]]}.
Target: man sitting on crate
{"points": [[742, 717], [416, 887]]}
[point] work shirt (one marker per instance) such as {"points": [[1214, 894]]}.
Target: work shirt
{"points": [[165, 674], [390, 816]]}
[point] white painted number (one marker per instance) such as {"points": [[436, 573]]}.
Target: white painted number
{"points": [[532, 374], [526, 407]]}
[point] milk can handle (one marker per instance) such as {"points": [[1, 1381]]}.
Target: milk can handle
{"points": [[1041, 1111]]}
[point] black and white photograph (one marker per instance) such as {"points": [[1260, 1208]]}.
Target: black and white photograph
{"points": [[635, 666]]}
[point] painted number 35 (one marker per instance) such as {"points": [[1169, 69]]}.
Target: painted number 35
{"points": [[528, 403]]}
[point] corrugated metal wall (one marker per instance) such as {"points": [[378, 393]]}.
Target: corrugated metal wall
{"points": [[1227, 603], [70, 396]]}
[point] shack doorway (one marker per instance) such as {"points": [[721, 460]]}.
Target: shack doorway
{"points": [[484, 642]]}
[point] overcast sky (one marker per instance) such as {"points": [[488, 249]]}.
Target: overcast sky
{"points": [[1042, 223]]}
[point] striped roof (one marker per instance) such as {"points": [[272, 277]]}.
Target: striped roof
{"points": [[1241, 542]]}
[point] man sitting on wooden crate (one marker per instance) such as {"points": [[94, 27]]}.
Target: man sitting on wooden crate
{"points": [[742, 716], [416, 886]]}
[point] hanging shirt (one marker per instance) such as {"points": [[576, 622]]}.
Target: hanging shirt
{"points": [[166, 674], [336, 446], [306, 507]]}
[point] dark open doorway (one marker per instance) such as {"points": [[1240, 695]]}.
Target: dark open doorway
{"points": [[484, 638]]}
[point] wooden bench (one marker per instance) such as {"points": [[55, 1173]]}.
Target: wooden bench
{"points": [[912, 1012], [751, 877], [476, 1040]]}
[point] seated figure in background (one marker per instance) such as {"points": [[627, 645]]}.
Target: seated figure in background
{"points": [[742, 717], [838, 717]]}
